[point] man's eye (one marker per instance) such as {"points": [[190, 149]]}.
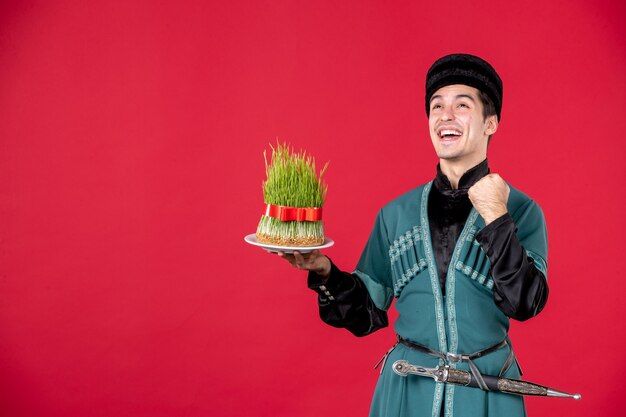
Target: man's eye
{"points": [[436, 106], [463, 105]]}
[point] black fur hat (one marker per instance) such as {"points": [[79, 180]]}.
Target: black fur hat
{"points": [[467, 70]]}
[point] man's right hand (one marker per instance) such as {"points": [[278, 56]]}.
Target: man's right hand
{"points": [[313, 261]]}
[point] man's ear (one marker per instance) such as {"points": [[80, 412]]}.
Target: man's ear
{"points": [[491, 125]]}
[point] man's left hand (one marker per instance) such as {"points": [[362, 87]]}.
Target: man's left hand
{"points": [[489, 197]]}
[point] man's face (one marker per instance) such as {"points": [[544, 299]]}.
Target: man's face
{"points": [[458, 130]]}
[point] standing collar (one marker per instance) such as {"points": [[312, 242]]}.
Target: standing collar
{"points": [[468, 179]]}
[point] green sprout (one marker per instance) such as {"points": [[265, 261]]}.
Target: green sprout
{"points": [[292, 182]]}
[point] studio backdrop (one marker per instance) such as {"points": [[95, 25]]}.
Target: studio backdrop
{"points": [[131, 161]]}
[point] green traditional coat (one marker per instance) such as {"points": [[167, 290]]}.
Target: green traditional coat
{"points": [[398, 263]]}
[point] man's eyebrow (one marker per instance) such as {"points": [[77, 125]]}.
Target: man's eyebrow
{"points": [[465, 96], [435, 97], [456, 97]]}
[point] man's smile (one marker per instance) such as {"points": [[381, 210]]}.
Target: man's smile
{"points": [[449, 133]]}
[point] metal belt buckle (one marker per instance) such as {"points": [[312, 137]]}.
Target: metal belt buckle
{"points": [[456, 357]]}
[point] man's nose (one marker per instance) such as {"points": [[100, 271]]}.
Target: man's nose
{"points": [[446, 113]]}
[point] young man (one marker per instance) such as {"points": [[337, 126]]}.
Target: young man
{"points": [[461, 255]]}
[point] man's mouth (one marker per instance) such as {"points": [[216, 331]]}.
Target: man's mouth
{"points": [[449, 133]]}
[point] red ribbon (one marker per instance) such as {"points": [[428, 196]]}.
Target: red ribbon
{"points": [[286, 214]]}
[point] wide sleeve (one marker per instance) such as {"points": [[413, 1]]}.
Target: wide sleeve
{"points": [[374, 268], [358, 301], [344, 302], [517, 248]]}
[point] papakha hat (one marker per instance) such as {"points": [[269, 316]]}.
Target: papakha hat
{"points": [[467, 70]]}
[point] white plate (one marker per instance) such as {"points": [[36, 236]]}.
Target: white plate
{"points": [[251, 239]]}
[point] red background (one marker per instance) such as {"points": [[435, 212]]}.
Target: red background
{"points": [[131, 139]]}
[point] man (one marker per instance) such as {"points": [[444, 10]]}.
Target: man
{"points": [[461, 255]]}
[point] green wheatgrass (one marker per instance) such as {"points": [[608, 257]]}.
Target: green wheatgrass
{"points": [[292, 182]]}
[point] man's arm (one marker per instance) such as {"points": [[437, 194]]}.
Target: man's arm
{"points": [[343, 299], [520, 288]]}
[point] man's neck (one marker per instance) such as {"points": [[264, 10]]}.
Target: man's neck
{"points": [[454, 170]]}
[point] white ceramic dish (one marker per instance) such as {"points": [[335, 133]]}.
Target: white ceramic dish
{"points": [[251, 239]]}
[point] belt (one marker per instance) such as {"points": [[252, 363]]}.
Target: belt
{"points": [[457, 357]]}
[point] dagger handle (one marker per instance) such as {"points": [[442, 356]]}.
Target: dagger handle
{"points": [[494, 383], [458, 377]]}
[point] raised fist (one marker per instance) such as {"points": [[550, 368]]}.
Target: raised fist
{"points": [[489, 197]]}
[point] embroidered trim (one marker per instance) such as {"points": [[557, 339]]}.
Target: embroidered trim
{"points": [[451, 280], [475, 275], [467, 235], [408, 276], [437, 399], [471, 236], [404, 242], [450, 400], [434, 279]]}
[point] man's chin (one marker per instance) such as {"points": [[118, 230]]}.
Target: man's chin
{"points": [[448, 156]]}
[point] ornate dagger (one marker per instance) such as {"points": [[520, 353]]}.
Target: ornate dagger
{"points": [[444, 373]]}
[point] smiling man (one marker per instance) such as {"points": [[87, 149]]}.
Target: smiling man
{"points": [[461, 255]]}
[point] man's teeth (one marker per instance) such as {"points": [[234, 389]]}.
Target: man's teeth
{"points": [[449, 133]]}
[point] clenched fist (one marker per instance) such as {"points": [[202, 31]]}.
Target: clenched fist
{"points": [[489, 197]]}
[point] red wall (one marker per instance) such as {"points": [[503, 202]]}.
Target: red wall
{"points": [[131, 139]]}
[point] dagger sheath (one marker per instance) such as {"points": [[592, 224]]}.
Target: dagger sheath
{"points": [[448, 375], [494, 383]]}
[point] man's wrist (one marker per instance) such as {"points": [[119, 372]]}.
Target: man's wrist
{"points": [[492, 215], [324, 270], [327, 286]]}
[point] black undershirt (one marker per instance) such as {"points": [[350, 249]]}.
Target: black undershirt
{"points": [[448, 210]]}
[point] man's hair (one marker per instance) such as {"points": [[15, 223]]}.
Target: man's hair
{"points": [[489, 109]]}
